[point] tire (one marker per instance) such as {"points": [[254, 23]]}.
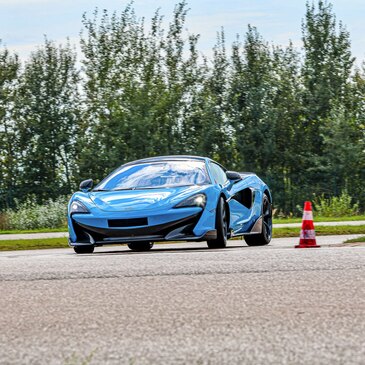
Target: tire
{"points": [[263, 238], [140, 246], [84, 249], [221, 225]]}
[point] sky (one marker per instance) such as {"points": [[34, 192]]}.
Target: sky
{"points": [[23, 23]]}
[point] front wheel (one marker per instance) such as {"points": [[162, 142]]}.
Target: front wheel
{"points": [[221, 225], [84, 249], [140, 246], [264, 237]]}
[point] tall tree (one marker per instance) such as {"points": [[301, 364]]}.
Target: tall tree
{"points": [[326, 80], [286, 178], [206, 125], [343, 160], [47, 119], [9, 69], [328, 61], [251, 100], [137, 82], [298, 121]]}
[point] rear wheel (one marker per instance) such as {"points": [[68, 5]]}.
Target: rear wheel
{"points": [[221, 225], [84, 249], [140, 246], [264, 237]]}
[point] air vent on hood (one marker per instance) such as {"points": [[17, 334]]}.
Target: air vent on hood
{"points": [[133, 222]]}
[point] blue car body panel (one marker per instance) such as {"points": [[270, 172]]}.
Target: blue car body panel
{"points": [[151, 214]]}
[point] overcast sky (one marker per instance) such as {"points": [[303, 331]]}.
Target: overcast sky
{"points": [[24, 22]]}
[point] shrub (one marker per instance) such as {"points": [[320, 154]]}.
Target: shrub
{"points": [[336, 206], [30, 215]]}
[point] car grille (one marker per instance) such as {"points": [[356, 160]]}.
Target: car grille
{"points": [[133, 222]]}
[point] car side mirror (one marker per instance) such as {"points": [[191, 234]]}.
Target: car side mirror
{"points": [[233, 176], [86, 185]]}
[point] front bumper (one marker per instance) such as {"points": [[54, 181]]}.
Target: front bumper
{"points": [[180, 225]]}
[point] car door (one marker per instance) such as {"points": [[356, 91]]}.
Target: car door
{"points": [[232, 192], [241, 203]]}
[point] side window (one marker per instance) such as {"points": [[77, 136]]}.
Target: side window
{"points": [[218, 174]]}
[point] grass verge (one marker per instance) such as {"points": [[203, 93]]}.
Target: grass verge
{"points": [[355, 240], [41, 230], [321, 219], [320, 231], [33, 244]]}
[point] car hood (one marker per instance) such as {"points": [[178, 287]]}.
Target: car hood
{"points": [[146, 199]]}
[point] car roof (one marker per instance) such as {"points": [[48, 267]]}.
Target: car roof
{"points": [[173, 158], [168, 158]]}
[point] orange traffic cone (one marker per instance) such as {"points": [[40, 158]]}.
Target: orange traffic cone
{"points": [[307, 234]]}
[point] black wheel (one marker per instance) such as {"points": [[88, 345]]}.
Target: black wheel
{"points": [[221, 225], [140, 246], [264, 237], [84, 249]]}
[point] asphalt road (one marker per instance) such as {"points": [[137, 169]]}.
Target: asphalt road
{"points": [[184, 304]]}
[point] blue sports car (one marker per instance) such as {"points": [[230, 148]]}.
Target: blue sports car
{"points": [[170, 198]]}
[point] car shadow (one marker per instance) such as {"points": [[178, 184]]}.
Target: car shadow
{"points": [[157, 249]]}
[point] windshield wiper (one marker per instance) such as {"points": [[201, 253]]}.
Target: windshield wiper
{"points": [[113, 189], [145, 187], [123, 189], [162, 187]]}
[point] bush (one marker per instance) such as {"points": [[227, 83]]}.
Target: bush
{"points": [[336, 206], [30, 215]]}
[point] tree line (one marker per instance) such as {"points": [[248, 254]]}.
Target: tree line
{"points": [[295, 117]]}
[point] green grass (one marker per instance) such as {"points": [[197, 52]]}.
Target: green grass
{"points": [[360, 239], [320, 231], [32, 244], [40, 230], [321, 219]]}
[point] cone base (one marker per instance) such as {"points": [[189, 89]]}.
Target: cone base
{"points": [[307, 246]]}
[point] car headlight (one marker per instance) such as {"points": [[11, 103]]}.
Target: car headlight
{"points": [[78, 207], [197, 200]]}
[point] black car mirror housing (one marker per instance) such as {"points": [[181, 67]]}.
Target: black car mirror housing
{"points": [[86, 185], [233, 176]]}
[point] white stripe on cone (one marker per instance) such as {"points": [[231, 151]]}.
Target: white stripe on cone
{"points": [[307, 215], [308, 234]]}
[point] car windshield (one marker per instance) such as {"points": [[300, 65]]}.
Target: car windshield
{"points": [[155, 175]]}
